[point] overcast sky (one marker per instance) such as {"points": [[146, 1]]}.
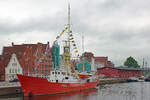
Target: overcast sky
{"points": [[113, 28]]}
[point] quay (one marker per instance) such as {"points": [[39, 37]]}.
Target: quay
{"points": [[112, 81], [7, 88]]}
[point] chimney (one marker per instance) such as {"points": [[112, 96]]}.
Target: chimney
{"points": [[48, 42], [12, 43]]}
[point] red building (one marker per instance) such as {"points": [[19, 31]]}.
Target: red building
{"points": [[100, 61], [121, 72], [33, 58], [2, 69]]}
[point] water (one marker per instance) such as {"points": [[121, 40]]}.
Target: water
{"points": [[122, 91]]}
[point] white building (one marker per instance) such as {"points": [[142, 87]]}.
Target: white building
{"points": [[12, 68]]}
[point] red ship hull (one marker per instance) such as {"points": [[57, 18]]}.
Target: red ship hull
{"points": [[41, 86]]}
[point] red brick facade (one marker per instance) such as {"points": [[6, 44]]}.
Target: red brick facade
{"points": [[2, 69], [33, 58], [120, 72]]}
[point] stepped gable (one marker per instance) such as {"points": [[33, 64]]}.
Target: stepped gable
{"points": [[8, 51], [26, 55]]}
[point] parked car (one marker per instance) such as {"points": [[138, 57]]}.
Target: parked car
{"points": [[132, 79], [141, 79], [14, 80], [147, 79]]}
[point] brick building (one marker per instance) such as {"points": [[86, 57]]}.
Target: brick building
{"points": [[121, 72], [33, 58], [99, 61]]}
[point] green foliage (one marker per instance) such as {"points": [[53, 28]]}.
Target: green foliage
{"points": [[131, 63]]}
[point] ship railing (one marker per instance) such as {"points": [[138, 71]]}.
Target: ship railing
{"points": [[40, 75]]}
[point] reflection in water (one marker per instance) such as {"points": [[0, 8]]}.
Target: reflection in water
{"points": [[122, 91], [82, 95], [125, 91]]}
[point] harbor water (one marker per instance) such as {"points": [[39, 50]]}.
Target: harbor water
{"points": [[121, 91]]}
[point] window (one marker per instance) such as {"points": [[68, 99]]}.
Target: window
{"points": [[12, 70], [58, 72], [64, 73], [66, 49], [14, 64], [9, 70], [18, 70], [49, 56], [14, 59], [52, 72], [37, 71], [15, 70], [67, 78], [43, 67]]}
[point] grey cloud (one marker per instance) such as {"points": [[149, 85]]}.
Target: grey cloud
{"points": [[115, 28], [41, 24]]}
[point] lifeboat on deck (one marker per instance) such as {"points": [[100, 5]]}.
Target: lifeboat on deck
{"points": [[83, 75]]}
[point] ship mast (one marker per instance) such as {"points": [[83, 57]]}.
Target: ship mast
{"points": [[69, 26], [67, 45], [69, 65]]}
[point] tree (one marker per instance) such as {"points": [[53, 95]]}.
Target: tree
{"points": [[131, 63]]}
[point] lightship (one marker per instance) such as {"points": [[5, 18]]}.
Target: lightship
{"points": [[62, 79]]}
